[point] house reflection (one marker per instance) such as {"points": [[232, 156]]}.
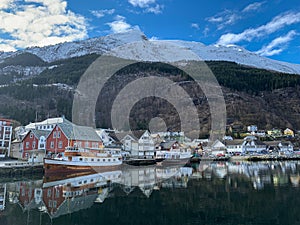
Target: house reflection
{"points": [[62, 195]]}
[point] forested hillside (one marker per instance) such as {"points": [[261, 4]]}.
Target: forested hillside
{"points": [[266, 98]]}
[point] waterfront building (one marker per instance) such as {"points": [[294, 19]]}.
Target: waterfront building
{"points": [[5, 137], [218, 148], [33, 147], [68, 134], [47, 124]]}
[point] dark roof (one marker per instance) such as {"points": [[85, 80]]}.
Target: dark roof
{"points": [[76, 132], [136, 134], [234, 142], [39, 133], [167, 145]]}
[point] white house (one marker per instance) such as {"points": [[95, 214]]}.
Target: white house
{"points": [[105, 137], [251, 144], [218, 148], [146, 145], [234, 147], [130, 144], [47, 124], [286, 147]]}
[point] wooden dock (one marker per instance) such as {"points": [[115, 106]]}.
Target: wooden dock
{"points": [[19, 168]]}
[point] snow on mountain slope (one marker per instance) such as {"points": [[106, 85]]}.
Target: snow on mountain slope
{"points": [[155, 50], [80, 48], [239, 55]]}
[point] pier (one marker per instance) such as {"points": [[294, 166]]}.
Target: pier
{"points": [[19, 168]]}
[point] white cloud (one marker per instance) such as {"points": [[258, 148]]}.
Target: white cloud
{"points": [[230, 17], [253, 6], [195, 26], [274, 25], [141, 3], [149, 6], [155, 9], [224, 18], [102, 12], [119, 25], [277, 45], [39, 23]]}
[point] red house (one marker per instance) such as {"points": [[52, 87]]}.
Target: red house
{"points": [[68, 134], [34, 144]]}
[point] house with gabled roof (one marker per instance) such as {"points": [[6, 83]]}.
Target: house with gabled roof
{"points": [[68, 134], [252, 145], [288, 132], [33, 147], [218, 148], [146, 145], [234, 147], [140, 144]]}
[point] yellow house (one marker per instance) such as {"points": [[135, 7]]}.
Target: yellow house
{"points": [[288, 132]]}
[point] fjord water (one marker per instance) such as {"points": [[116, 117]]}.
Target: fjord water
{"points": [[215, 193]]}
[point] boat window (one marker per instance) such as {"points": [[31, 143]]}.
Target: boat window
{"points": [[108, 160], [98, 160], [85, 181], [92, 160], [103, 160], [80, 159]]}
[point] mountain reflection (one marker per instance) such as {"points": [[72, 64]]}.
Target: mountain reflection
{"points": [[48, 200]]}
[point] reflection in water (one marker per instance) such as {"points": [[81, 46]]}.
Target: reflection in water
{"points": [[216, 193]]}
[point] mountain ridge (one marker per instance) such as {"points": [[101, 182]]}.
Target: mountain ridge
{"points": [[143, 49]]}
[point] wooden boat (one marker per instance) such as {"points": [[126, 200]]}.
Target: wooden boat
{"points": [[173, 157], [76, 159], [140, 161]]}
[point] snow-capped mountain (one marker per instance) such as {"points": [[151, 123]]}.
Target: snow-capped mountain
{"points": [[134, 45]]}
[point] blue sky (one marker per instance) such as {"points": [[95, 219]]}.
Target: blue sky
{"points": [[269, 28]]}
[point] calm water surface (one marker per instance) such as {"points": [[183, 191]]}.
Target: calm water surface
{"points": [[215, 193]]}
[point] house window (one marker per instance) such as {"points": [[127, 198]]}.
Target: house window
{"points": [[95, 145], [86, 144], [54, 134], [31, 135], [58, 134], [49, 193], [54, 204], [57, 193], [27, 144], [60, 144], [52, 144], [7, 128], [33, 145]]}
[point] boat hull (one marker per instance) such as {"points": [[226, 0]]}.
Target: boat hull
{"points": [[140, 162], [53, 166]]}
